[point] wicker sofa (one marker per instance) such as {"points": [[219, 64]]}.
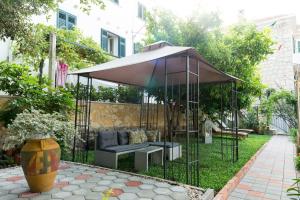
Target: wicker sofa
{"points": [[110, 144]]}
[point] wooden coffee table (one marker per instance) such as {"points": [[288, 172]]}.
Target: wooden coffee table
{"points": [[141, 157]]}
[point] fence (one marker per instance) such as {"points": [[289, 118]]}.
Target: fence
{"points": [[279, 124]]}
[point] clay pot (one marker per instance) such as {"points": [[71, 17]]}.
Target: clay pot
{"points": [[40, 161]]}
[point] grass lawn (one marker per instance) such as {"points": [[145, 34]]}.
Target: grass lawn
{"points": [[214, 172]]}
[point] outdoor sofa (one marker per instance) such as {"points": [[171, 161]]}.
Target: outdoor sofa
{"points": [[110, 144]]}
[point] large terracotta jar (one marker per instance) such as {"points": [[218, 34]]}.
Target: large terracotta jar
{"points": [[40, 161]]}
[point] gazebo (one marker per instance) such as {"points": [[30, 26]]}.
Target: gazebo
{"points": [[173, 75]]}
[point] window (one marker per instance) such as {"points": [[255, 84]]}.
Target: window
{"points": [[298, 46], [65, 20], [113, 44], [141, 11]]}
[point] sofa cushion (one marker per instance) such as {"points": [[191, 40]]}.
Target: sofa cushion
{"points": [[151, 135], [134, 137], [107, 139], [161, 144], [123, 137], [123, 148], [143, 136]]}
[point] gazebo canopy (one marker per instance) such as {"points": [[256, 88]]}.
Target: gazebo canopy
{"points": [[148, 67]]}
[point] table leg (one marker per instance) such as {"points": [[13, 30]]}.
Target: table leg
{"points": [[157, 157], [141, 161]]}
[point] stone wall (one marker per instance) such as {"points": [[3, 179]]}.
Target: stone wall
{"points": [[109, 115], [118, 115], [3, 100]]}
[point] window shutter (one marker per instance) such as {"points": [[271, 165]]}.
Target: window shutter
{"points": [[104, 40], [139, 11], [122, 47], [71, 22], [61, 19]]}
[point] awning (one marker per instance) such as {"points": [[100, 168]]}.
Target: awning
{"points": [[148, 67]]}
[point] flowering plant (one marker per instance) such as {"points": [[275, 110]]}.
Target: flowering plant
{"points": [[36, 124]]}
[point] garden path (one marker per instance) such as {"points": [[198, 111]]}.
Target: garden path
{"points": [[271, 173]]}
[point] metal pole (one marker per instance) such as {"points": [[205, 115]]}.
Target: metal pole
{"points": [[232, 124], [76, 116], [86, 115], [89, 118], [157, 108], [148, 107], [236, 124], [222, 115], [52, 55], [142, 105], [187, 120], [165, 117], [198, 158]]}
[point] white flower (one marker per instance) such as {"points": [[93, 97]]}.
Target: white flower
{"points": [[35, 124]]}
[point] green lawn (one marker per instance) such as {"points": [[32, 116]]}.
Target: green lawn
{"points": [[214, 172]]}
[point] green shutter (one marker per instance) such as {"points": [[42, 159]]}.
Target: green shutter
{"points": [[294, 45], [61, 21], [122, 47], [298, 46], [104, 40]]}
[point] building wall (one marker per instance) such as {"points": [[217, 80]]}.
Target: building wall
{"points": [[120, 19], [277, 71]]}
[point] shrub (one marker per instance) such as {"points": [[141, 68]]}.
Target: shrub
{"points": [[17, 80], [36, 124], [297, 162], [294, 191], [128, 94], [121, 94], [5, 160], [293, 133], [250, 120]]}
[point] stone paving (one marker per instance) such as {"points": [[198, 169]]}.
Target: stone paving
{"points": [[271, 174], [81, 182]]}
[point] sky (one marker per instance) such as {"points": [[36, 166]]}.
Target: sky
{"points": [[230, 9]]}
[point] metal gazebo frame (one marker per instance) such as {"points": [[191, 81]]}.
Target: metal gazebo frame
{"points": [[181, 88]]}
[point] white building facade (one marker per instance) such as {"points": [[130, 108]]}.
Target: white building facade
{"points": [[277, 71], [116, 28], [296, 53]]}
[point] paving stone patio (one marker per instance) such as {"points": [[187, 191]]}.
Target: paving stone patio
{"points": [[81, 182], [271, 174]]}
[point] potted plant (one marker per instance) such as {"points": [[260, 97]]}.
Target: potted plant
{"points": [[38, 134]]}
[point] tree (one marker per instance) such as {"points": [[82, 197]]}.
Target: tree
{"points": [[237, 51], [283, 104], [18, 81], [15, 15], [105, 94], [128, 94], [72, 48]]}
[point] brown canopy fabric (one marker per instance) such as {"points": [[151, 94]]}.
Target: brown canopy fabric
{"points": [[148, 67]]}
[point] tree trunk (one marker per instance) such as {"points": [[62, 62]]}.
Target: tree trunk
{"points": [[41, 66]]}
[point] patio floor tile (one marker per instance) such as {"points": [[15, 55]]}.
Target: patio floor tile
{"points": [[81, 182]]}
